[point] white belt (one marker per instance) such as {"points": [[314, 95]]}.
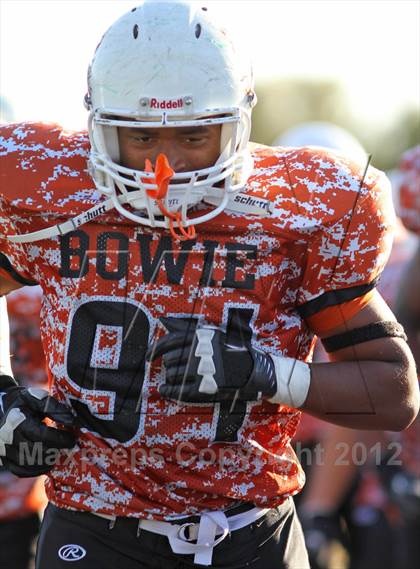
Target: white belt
{"points": [[204, 532], [211, 525]]}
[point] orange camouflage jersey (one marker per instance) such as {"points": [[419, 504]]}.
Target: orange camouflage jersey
{"points": [[409, 189], [276, 278]]}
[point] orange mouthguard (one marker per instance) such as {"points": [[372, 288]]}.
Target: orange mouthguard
{"points": [[163, 173]]}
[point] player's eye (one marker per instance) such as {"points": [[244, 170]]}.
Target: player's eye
{"points": [[194, 139], [143, 138]]}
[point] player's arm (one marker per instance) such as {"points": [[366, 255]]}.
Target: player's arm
{"points": [[371, 381], [370, 385], [27, 445], [367, 385]]}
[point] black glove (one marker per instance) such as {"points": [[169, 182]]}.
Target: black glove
{"points": [[24, 439], [201, 367]]}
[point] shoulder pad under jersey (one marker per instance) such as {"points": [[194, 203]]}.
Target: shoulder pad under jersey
{"points": [[44, 168], [312, 186]]}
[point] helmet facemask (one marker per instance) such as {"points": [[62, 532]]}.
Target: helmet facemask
{"points": [[186, 189]]}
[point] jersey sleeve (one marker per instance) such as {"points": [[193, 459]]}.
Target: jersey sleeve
{"points": [[346, 257]]}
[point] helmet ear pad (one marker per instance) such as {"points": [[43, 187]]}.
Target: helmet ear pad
{"points": [[110, 142], [234, 137]]}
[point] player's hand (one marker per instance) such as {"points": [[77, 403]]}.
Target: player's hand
{"points": [[24, 439], [200, 366]]}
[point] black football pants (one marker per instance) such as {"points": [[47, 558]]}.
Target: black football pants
{"points": [[84, 541]]}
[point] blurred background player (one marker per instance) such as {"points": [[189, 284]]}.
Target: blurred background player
{"points": [[403, 480]]}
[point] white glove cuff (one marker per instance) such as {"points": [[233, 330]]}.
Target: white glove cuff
{"points": [[293, 380]]}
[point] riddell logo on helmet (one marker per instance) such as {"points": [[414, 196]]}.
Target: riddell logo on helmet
{"points": [[166, 103]]}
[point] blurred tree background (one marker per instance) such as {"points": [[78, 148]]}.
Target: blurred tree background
{"points": [[283, 103]]}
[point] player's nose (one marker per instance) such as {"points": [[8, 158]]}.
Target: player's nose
{"points": [[176, 158]]}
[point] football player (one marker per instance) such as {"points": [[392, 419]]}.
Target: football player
{"points": [[185, 274]]}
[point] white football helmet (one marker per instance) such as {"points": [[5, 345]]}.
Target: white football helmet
{"points": [[6, 111], [324, 134], [168, 64]]}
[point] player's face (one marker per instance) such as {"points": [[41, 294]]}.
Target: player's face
{"points": [[187, 148]]}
